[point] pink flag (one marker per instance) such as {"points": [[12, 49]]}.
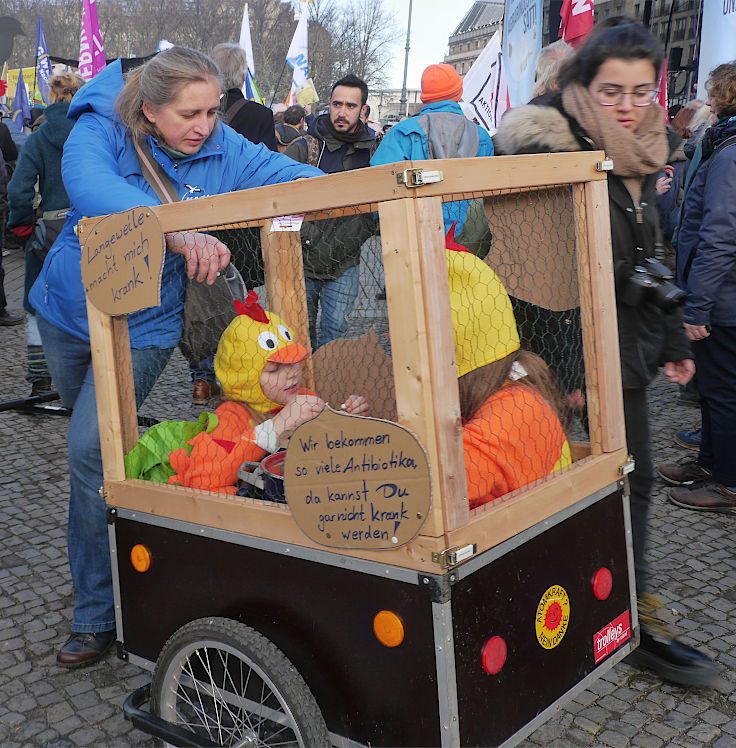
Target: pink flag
{"points": [[91, 51], [662, 95]]}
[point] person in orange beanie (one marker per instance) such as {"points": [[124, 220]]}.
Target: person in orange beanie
{"points": [[258, 365], [440, 130]]}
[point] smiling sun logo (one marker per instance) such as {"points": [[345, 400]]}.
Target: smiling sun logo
{"points": [[553, 616]]}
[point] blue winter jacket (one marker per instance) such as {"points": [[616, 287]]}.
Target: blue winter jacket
{"points": [[706, 247], [407, 141], [102, 175]]}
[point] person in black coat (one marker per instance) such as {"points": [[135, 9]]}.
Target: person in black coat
{"points": [[251, 119], [607, 102]]}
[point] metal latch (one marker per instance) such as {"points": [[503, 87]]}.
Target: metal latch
{"points": [[627, 467], [605, 165], [418, 177], [453, 556]]}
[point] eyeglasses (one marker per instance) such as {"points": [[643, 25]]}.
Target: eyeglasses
{"points": [[614, 96]]}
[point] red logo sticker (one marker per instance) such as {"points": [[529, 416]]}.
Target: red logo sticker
{"points": [[612, 636]]}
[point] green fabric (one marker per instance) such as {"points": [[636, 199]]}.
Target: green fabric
{"points": [[149, 459]]}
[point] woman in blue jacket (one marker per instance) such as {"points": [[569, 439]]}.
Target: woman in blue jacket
{"points": [[706, 270], [170, 106]]}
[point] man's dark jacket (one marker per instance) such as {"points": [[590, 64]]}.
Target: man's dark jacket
{"points": [[253, 120], [331, 246]]}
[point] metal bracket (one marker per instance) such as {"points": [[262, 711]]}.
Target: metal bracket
{"points": [[418, 177], [627, 467], [606, 165], [454, 556]]}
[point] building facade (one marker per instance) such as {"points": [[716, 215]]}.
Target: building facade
{"points": [[473, 32]]}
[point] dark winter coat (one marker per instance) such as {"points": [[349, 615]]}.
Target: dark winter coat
{"points": [[253, 120], [648, 335], [706, 247], [331, 246], [40, 158]]}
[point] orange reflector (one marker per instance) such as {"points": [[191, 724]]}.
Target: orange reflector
{"points": [[388, 628], [493, 656], [140, 557], [602, 583]]}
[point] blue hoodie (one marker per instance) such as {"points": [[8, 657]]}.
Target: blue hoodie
{"points": [[102, 175]]}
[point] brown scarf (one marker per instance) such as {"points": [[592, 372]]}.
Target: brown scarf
{"points": [[635, 153]]}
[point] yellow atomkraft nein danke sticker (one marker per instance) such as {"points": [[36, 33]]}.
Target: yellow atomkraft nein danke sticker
{"points": [[553, 616]]}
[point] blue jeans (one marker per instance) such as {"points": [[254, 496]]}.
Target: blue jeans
{"points": [[70, 364], [336, 299]]}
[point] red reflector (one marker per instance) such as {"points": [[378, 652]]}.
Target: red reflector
{"points": [[602, 584], [493, 656]]}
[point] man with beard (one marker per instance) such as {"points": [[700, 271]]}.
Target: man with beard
{"points": [[336, 141]]}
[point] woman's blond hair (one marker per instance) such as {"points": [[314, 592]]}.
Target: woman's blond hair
{"points": [[63, 87], [159, 82], [548, 65]]}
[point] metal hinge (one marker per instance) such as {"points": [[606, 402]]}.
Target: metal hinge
{"points": [[418, 177], [605, 165], [627, 467], [453, 556]]}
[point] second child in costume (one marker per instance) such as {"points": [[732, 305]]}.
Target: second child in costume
{"points": [[511, 432], [258, 365]]}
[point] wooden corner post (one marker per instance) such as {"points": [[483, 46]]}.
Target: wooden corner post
{"points": [[425, 373]]}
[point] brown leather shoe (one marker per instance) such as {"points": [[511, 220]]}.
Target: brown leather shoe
{"points": [[713, 498], [204, 391], [686, 472], [84, 649]]}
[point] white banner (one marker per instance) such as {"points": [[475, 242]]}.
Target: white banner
{"points": [[245, 42], [484, 86], [717, 37], [298, 56], [522, 40]]}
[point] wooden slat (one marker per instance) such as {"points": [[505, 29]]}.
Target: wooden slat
{"points": [[116, 411], [504, 518], [374, 185], [598, 314], [401, 228], [287, 297], [256, 518]]}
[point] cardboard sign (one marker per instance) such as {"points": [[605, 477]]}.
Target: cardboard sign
{"points": [[354, 482], [122, 262]]}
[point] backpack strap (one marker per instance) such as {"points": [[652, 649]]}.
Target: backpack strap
{"points": [[232, 111], [155, 175], [314, 154]]}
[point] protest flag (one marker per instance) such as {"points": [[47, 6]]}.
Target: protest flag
{"points": [[21, 114], [484, 86], [250, 90], [298, 57], [576, 20], [43, 66], [91, 51]]}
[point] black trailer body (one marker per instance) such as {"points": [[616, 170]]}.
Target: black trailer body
{"points": [[318, 608]]}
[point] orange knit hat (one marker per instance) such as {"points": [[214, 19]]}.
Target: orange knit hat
{"points": [[441, 82]]}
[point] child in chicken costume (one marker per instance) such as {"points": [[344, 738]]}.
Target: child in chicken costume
{"points": [[258, 365], [512, 434]]}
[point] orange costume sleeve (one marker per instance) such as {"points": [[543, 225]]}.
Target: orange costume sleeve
{"points": [[216, 457], [513, 439]]}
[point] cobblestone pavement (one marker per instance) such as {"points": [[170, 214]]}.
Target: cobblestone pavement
{"points": [[693, 561]]}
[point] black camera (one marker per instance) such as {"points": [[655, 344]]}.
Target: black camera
{"points": [[656, 279]]}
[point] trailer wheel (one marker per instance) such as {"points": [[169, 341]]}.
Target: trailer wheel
{"points": [[230, 685]]}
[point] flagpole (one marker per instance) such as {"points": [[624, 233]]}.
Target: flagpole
{"points": [[278, 83], [403, 102]]}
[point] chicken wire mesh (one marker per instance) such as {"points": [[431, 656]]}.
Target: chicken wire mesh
{"points": [[312, 328]]}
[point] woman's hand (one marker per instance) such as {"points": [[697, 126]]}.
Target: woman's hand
{"points": [[696, 332], [302, 408], [680, 372], [356, 405], [663, 185], [205, 255]]}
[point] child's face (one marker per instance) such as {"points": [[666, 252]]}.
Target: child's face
{"points": [[281, 382]]}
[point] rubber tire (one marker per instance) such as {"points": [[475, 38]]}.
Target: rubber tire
{"points": [[259, 654]]}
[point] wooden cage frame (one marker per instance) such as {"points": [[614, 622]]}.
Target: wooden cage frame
{"points": [[423, 350]]}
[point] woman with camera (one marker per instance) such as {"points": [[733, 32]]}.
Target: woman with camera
{"points": [[607, 102]]}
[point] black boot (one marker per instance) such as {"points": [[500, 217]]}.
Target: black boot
{"points": [[661, 652]]}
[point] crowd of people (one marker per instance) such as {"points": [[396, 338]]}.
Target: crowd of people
{"points": [[183, 114]]}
